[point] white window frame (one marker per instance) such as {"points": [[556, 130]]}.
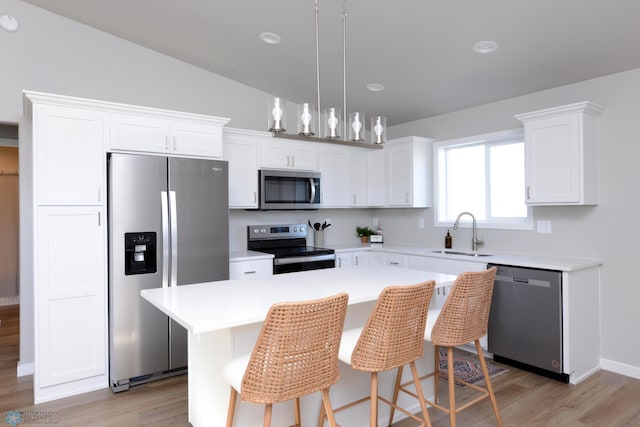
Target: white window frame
{"points": [[465, 222]]}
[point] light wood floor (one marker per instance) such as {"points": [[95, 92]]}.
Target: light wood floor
{"points": [[603, 400]]}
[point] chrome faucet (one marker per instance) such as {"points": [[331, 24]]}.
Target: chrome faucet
{"points": [[475, 242]]}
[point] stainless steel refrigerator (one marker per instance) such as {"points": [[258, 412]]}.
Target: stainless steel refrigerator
{"points": [[168, 226]]}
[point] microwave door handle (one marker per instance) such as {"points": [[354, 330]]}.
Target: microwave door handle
{"points": [[313, 190]]}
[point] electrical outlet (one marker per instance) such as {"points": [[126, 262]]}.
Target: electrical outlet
{"points": [[421, 223], [375, 221], [544, 227]]}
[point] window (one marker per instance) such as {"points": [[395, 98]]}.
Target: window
{"points": [[483, 175]]}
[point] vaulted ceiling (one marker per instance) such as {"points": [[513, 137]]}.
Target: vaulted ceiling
{"points": [[420, 50]]}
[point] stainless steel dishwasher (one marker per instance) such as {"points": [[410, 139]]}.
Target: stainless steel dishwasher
{"points": [[525, 323]]}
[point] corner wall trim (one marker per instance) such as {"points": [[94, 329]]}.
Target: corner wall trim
{"points": [[25, 369]]}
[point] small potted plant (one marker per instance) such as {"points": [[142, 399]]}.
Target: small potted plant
{"points": [[364, 233]]}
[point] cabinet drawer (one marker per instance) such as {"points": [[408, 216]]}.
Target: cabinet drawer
{"points": [[249, 269]]}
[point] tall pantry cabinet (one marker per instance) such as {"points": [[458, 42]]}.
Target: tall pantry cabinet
{"points": [[67, 140], [69, 258]]}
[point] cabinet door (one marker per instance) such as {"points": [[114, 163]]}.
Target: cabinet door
{"points": [[399, 175], [334, 166], [304, 156], [70, 296], [242, 155], [138, 133], [343, 259], [358, 177], [69, 149], [552, 160], [360, 258], [275, 154], [376, 180], [196, 139], [396, 260], [250, 269]]}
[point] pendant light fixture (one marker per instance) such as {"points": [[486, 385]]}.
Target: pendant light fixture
{"points": [[333, 123]]}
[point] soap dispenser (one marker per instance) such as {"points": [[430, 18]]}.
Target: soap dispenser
{"points": [[448, 241]]}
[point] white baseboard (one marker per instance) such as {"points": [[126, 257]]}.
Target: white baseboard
{"points": [[25, 369], [620, 368]]}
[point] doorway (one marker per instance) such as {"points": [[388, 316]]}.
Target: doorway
{"points": [[9, 215]]}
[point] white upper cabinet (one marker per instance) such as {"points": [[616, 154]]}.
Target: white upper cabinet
{"points": [[240, 149], [280, 153], [561, 149], [376, 179], [408, 172], [165, 132], [69, 155], [358, 177], [334, 166]]}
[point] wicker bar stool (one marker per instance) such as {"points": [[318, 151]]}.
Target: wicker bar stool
{"points": [[463, 318], [392, 337], [295, 354]]}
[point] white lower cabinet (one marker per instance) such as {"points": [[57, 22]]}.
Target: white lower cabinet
{"points": [[352, 258], [396, 260], [248, 269], [70, 301]]}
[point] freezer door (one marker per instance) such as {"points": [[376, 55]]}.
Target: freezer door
{"points": [[138, 331], [199, 200]]}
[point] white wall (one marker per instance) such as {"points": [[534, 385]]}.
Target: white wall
{"points": [[605, 231]]}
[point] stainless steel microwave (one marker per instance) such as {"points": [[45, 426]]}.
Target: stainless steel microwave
{"points": [[287, 190]]}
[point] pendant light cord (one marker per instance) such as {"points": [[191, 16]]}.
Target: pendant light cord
{"points": [[344, 68], [318, 67]]}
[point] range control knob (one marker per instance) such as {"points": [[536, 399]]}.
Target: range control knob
{"points": [[263, 230]]}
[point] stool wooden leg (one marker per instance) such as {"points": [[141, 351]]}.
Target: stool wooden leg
{"points": [[232, 406], [328, 409], [487, 379], [267, 414], [423, 404], [452, 388], [396, 391], [322, 415], [436, 372], [296, 410], [373, 415]]}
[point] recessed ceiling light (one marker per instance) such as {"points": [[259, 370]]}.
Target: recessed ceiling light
{"points": [[486, 46], [270, 38], [375, 87], [9, 23]]}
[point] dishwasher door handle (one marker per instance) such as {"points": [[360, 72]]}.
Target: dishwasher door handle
{"points": [[523, 281]]}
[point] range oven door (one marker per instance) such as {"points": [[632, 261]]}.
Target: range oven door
{"points": [[303, 263], [280, 190]]}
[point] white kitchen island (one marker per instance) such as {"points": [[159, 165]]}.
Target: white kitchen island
{"points": [[223, 319]]}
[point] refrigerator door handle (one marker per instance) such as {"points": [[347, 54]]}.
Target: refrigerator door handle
{"points": [[165, 238], [173, 212]]}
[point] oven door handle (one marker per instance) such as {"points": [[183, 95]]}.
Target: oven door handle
{"points": [[300, 259]]}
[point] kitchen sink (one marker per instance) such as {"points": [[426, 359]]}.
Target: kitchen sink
{"points": [[459, 253]]}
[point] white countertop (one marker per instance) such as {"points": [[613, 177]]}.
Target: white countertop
{"points": [[239, 256], [213, 306], [522, 260]]}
